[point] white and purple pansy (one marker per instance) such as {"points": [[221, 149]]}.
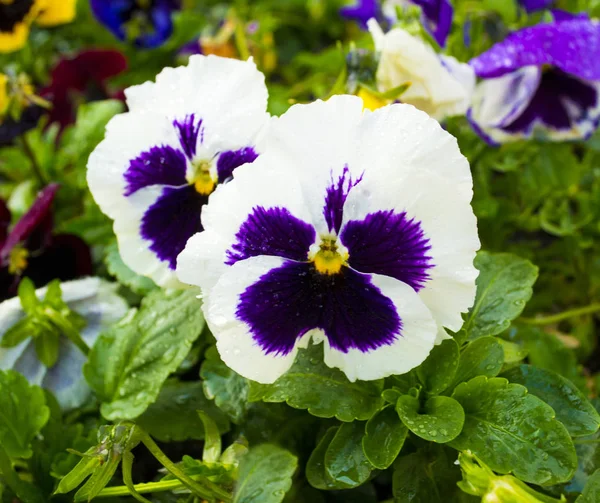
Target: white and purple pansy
{"points": [[159, 162], [343, 231], [542, 81]]}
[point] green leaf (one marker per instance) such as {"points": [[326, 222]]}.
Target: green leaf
{"points": [[440, 421], [485, 356], [438, 370], [384, 437], [591, 492], [221, 384], [27, 296], [23, 413], [315, 468], [426, 476], [19, 332], [513, 431], [323, 391], [345, 462], [172, 417], [47, 347], [265, 475], [504, 286], [572, 408], [212, 439], [129, 364], [124, 275]]}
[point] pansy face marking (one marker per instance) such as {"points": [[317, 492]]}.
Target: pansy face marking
{"points": [[325, 275], [342, 231], [170, 152]]}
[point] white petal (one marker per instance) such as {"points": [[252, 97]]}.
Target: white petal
{"points": [[407, 352], [408, 59], [234, 340], [229, 95], [417, 167]]}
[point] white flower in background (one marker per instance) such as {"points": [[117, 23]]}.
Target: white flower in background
{"points": [[159, 162], [93, 299], [352, 228], [439, 85]]}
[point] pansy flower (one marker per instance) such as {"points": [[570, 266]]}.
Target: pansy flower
{"points": [[541, 81], [98, 304], [159, 162], [32, 249], [438, 84], [436, 15], [147, 23], [82, 76], [16, 17], [342, 231]]}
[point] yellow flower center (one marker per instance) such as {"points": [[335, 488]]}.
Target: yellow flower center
{"points": [[329, 257], [370, 101], [204, 181], [17, 260]]}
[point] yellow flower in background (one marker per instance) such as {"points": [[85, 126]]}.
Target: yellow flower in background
{"points": [[3, 94], [16, 17]]}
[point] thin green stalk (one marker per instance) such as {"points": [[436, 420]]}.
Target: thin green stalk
{"points": [[127, 467], [240, 40], [556, 318], [194, 485], [145, 488], [37, 169]]}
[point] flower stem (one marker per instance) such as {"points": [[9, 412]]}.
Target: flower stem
{"points": [[27, 493], [207, 492], [555, 318], [37, 169], [145, 488]]}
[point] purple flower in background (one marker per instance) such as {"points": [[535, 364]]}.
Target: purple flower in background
{"points": [[344, 232], [541, 81], [533, 5], [148, 24], [159, 162], [436, 14]]}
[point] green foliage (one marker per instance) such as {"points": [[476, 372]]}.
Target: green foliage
{"points": [[437, 372], [172, 417], [128, 364], [572, 408], [591, 492], [514, 432], [384, 437], [23, 413], [323, 391], [265, 475], [484, 356], [504, 286], [221, 384], [439, 420]]}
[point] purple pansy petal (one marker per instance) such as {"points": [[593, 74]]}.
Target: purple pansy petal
{"points": [[572, 46], [293, 299], [171, 221], [437, 18], [37, 218], [162, 165], [563, 15], [335, 197], [231, 159], [275, 232], [560, 102], [361, 12], [187, 131], [533, 5], [391, 244]]}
